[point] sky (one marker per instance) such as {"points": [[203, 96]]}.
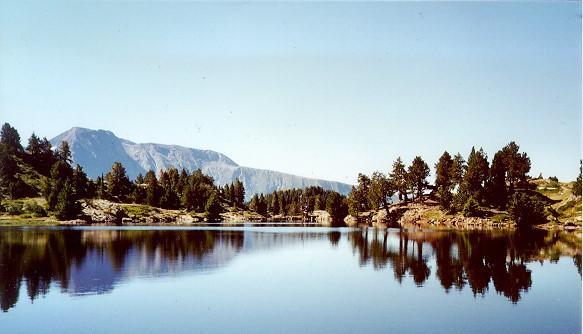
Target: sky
{"points": [[324, 90]]}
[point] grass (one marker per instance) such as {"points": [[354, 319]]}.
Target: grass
{"points": [[568, 207], [22, 220], [139, 210], [500, 217]]}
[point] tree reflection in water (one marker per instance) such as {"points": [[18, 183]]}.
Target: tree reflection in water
{"points": [[91, 261], [466, 258]]}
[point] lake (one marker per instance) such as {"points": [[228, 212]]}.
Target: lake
{"points": [[249, 279]]}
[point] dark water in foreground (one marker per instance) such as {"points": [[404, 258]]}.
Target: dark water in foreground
{"points": [[287, 279]]}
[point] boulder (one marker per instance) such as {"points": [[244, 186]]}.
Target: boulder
{"points": [[350, 221], [322, 217]]}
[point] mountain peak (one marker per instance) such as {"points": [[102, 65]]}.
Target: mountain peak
{"points": [[97, 150]]}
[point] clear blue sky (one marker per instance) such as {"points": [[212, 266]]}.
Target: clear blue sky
{"points": [[317, 89]]}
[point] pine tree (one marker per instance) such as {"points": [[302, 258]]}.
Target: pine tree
{"points": [[476, 175], [61, 173], [577, 186], [361, 193], [118, 183], [10, 138], [80, 182], [152, 189], [418, 173], [336, 207], [443, 179], [239, 193], [381, 191], [458, 170], [276, 209], [8, 170], [66, 206], [253, 204], [398, 178], [496, 187], [517, 165], [262, 205], [64, 152], [213, 208]]}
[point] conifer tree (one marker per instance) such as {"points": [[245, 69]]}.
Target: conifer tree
{"points": [[61, 173], [118, 183], [476, 175], [418, 173], [152, 189], [10, 138], [443, 179], [8, 170], [398, 178], [213, 208], [381, 191], [67, 206], [496, 187], [80, 182], [276, 209], [517, 165], [577, 186], [64, 152], [458, 170]]}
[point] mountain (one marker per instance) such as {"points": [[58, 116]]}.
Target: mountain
{"points": [[97, 150]]}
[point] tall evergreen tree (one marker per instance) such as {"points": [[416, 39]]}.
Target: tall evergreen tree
{"points": [[61, 173], [8, 171], [381, 191], [276, 209], [496, 187], [239, 193], [67, 206], [152, 189], [458, 170], [444, 179], [118, 184], [476, 175], [418, 173], [64, 152], [517, 165], [262, 205], [336, 207], [577, 186], [10, 138], [398, 178], [213, 208], [80, 182]]}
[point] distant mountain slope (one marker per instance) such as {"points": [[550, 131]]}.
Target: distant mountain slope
{"points": [[97, 150]]}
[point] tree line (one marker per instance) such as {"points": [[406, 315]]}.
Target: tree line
{"points": [[300, 202], [64, 185], [460, 185]]}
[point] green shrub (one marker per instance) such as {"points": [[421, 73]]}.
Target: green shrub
{"points": [[458, 201], [526, 210], [34, 209], [471, 208], [13, 208]]}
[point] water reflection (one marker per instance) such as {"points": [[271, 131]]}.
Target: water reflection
{"points": [[466, 258], [89, 261]]}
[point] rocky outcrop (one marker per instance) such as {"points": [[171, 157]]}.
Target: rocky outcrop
{"points": [[350, 221], [322, 217], [103, 212]]}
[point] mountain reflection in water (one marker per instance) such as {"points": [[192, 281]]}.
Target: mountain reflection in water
{"points": [[92, 261]]}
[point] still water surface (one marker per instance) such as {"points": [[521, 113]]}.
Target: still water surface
{"points": [[287, 280]]}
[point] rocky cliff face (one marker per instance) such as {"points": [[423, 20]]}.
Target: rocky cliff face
{"points": [[97, 150]]}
